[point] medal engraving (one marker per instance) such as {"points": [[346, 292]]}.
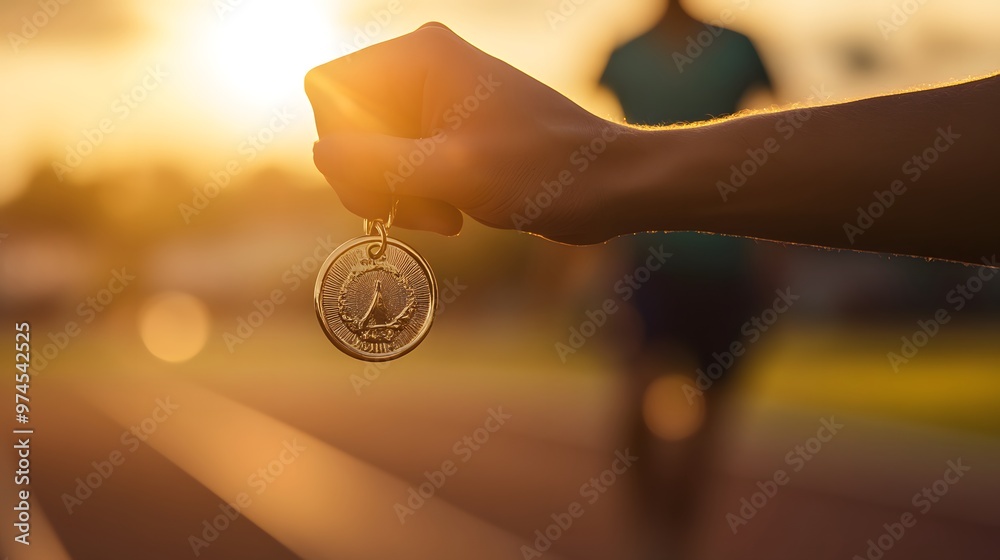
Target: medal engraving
{"points": [[375, 307]]}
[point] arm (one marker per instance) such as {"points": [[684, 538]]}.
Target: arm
{"points": [[908, 174], [445, 129]]}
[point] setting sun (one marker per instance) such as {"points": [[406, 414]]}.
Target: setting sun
{"points": [[260, 51]]}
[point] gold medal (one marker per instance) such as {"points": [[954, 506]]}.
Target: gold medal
{"points": [[375, 296]]}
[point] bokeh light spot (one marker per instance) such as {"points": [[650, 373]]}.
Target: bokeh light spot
{"points": [[668, 411], [174, 326]]}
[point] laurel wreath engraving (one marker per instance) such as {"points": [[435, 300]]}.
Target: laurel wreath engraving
{"points": [[367, 327]]}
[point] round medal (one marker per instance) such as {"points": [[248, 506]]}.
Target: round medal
{"points": [[375, 298]]}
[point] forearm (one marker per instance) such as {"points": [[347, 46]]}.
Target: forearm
{"points": [[919, 165]]}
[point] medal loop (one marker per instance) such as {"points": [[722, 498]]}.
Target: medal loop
{"points": [[376, 251], [369, 225]]}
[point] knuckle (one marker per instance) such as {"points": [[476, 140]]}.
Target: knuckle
{"points": [[436, 37], [313, 80], [319, 159]]}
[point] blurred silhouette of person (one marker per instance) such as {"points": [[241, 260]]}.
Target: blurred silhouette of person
{"points": [[683, 70]]}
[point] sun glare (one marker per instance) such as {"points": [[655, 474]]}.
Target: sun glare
{"points": [[261, 50]]}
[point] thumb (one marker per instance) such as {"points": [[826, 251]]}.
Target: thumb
{"points": [[389, 165]]}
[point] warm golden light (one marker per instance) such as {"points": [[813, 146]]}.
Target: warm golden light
{"points": [[261, 50], [174, 326], [668, 411]]}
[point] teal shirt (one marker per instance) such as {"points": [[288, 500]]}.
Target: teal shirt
{"points": [[657, 85]]}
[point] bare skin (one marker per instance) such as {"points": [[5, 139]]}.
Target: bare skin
{"points": [[447, 129]]}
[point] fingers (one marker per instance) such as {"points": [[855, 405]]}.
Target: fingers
{"points": [[363, 204], [411, 213], [368, 172], [386, 165], [374, 146], [428, 215], [380, 89]]}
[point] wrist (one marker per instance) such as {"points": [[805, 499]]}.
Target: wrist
{"points": [[661, 181]]}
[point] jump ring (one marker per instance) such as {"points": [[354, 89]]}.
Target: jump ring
{"points": [[369, 225], [376, 251]]}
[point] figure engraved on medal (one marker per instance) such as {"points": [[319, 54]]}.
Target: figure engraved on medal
{"points": [[368, 307], [372, 306]]}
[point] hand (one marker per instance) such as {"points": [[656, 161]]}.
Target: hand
{"points": [[445, 128]]}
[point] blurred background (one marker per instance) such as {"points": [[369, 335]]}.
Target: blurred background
{"points": [[161, 226]]}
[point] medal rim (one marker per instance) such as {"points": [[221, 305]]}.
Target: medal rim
{"points": [[343, 346]]}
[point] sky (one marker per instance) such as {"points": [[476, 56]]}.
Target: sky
{"points": [[193, 83]]}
